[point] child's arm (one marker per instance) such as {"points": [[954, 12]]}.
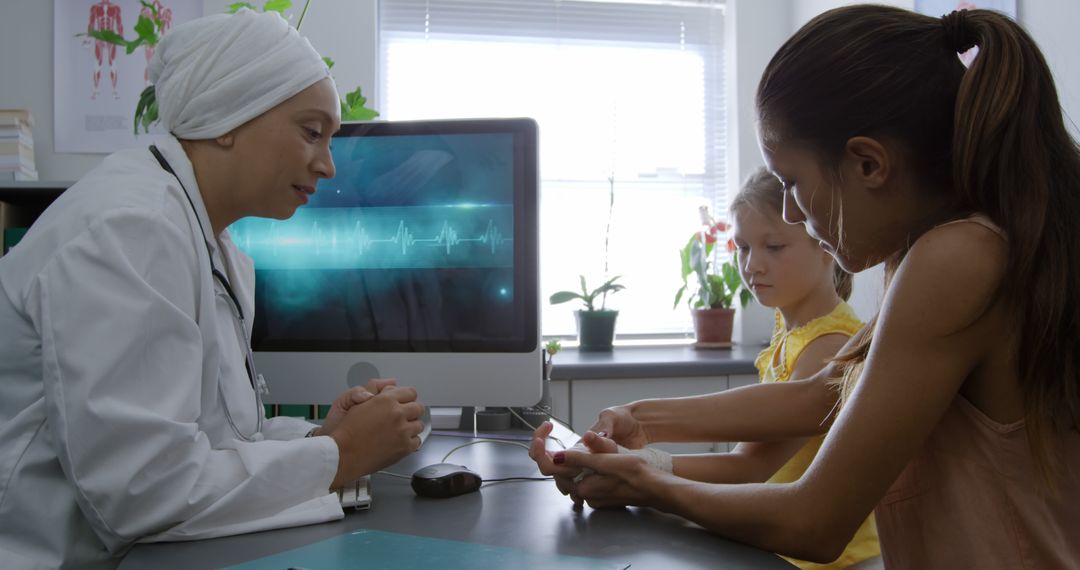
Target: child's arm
{"points": [[756, 461], [763, 412], [939, 321]]}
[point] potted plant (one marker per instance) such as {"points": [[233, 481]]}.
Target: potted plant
{"points": [[712, 291], [596, 325]]}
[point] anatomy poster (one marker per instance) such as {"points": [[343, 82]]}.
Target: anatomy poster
{"points": [[96, 84]]}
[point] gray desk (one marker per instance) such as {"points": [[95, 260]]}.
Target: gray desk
{"points": [[530, 515]]}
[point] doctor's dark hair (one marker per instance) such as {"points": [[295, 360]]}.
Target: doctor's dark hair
{"points": [[762, 192], [991, 135]]}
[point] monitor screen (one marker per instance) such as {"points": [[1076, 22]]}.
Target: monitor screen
{"points": [[418, 261]]}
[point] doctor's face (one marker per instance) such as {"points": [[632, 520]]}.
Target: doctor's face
{"points": [[285, 151]]}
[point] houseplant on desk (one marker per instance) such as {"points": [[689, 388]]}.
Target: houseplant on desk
{"points": [[712, 287], [596, 323]]}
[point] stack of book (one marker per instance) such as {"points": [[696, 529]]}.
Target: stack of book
{"points": [[16, 146]]}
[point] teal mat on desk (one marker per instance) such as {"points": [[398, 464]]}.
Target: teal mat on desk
{"points": [[371, 549]]}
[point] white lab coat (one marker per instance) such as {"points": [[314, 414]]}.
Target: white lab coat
{"points": [[113, 341]]}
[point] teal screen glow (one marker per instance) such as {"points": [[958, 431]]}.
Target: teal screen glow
{"points": [[409, 247]]}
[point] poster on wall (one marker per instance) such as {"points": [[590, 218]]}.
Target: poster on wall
{"points": [[939, 8], [96, 84]]}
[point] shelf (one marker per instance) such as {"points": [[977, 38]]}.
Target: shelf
{"points": [[36, 193]]}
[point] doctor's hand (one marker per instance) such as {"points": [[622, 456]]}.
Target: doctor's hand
{"points": [[348, 399], [376, 433], [619, 424]]}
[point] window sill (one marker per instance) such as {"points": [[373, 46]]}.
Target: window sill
{"points": [[661, 361]]}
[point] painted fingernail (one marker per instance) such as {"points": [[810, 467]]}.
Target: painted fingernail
{"points": [[559, 458]]}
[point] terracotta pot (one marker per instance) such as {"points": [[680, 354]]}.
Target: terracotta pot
{"points": [[712, 327], [596, 330]]}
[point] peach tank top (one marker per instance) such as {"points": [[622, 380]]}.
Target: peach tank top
{"points": [[972, 497]]}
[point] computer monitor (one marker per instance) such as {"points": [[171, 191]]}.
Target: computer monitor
{"points": [[417, 261]]}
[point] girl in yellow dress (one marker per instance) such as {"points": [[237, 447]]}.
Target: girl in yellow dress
{"points": [[780, 422]]}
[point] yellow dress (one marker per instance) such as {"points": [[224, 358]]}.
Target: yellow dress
{"points": [[775, 364]]}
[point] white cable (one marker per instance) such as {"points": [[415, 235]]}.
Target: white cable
{"points": [[474, 442]]}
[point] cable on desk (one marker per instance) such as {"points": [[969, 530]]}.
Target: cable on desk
{"points": [[493, 482], [532, 427], [474, 442], [506, 479]]}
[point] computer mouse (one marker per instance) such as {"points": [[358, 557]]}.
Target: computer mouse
{"points": [[443, 480]]}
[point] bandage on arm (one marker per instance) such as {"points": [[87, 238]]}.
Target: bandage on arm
{"points": [[657, 458]]}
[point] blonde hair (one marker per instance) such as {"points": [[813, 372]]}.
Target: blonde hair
{"points": [[763, 193]]}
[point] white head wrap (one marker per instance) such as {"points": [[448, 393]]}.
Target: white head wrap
{"points": [[216, 73]]}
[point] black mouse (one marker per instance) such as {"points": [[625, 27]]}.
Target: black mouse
{"points": [[445, 480]]}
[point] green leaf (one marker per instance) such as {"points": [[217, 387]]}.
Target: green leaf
{"points": [[355, 97], [745, 296], [278, 6], [678, 297], [151, 116], [235, 7], [684, 258], [353, 109], [107, 36], [357, 114], [144, 27], [563, 297], [134, 45], [329, 62], [140, 107]]}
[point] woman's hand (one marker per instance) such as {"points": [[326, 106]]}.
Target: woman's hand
{"points": [[619, 424], [613, 480], [348, 399], [566, 478]]}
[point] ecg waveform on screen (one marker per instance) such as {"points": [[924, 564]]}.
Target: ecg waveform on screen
{"points": [[383, 238], [402, 240]]}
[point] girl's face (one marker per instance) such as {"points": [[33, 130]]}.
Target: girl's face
{"points": [[779, 262], [834, 212]]}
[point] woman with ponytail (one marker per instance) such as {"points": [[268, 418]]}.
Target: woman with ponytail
{"points": [[961, 400]]}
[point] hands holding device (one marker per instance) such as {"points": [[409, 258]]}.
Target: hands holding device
{"points": [[597, 470]]}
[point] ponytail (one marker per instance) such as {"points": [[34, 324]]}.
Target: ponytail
{"points": [[992, 135], [1015, 160]]}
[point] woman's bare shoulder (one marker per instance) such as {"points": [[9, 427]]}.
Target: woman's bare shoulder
{"points": [[951, 276]]}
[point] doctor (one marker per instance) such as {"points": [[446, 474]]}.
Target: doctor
{"points": [[127, 396]]}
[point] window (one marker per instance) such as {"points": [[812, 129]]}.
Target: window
{"points": [[629, 96]]}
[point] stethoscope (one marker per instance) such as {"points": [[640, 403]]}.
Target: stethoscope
{"points": [[258, 384]]}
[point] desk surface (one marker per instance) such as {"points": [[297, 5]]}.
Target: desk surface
{"points": [[530, 515]]}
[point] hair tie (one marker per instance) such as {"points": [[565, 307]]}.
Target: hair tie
{"points": [[956, 31]]}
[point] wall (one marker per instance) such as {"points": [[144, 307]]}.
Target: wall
{"points": [[343, 29], [753, 29]]}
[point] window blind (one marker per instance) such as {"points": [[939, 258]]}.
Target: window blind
{"points": [[629, 97]]}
